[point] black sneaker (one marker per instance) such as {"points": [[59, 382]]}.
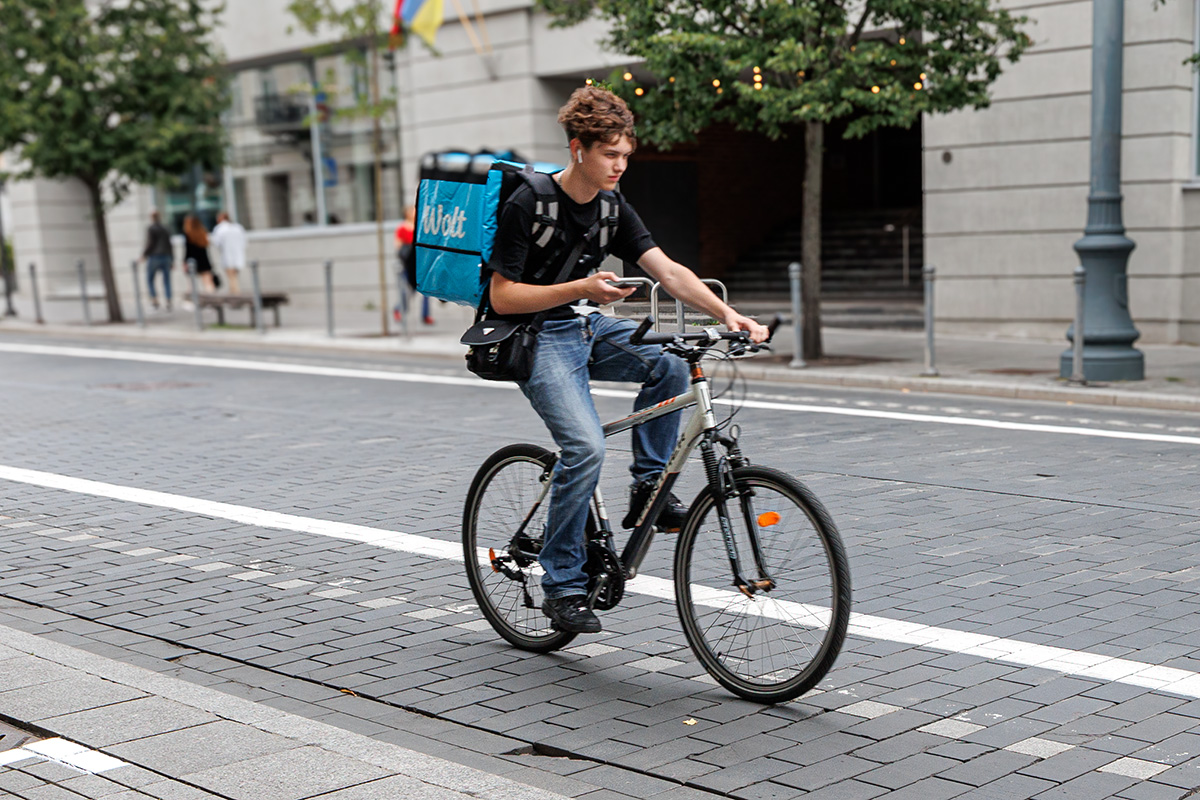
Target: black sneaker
{"points": [[571, 614], [671, 518]]}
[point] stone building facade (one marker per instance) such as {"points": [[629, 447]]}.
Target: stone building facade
{"points": [[1004, 189]]}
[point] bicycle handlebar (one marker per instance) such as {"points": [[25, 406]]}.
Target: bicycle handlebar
{"points": [[643, 334]]}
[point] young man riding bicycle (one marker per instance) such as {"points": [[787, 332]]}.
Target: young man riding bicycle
{"points": [[577, 343]]}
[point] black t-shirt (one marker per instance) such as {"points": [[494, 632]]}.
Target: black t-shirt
{"points": [[512, 256]]}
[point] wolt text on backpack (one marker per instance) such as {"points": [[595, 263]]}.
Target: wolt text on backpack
{"points": [[458, 208]]}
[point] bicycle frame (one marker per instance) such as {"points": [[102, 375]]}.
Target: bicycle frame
{"points": [[702, 421]]}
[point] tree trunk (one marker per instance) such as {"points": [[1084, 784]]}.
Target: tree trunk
{"points": [[377, 135], [810, 239], [106, 268]]}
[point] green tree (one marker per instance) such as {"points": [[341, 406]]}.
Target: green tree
{"points": [[362, 30], [768, 65], [110, 93]]}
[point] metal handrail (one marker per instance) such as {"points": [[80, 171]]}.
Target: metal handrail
{"points": [[679, 309]]}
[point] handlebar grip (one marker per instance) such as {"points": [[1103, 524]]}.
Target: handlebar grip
{"points": [[647, 323], [774, 324]]}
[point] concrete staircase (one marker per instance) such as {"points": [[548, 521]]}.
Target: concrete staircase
{"points": [[862, 258]]}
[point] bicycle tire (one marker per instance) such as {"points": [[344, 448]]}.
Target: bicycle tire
{"points": [[501, 494], [778, 644]]}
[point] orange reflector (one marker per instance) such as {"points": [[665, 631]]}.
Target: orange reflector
{"points": [[768, 519], [492, 559]]}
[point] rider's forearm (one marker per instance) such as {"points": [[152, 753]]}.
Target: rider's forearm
{"points": [[508, 297]]}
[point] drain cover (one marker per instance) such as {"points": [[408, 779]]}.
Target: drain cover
{"points": [[11, 738]]}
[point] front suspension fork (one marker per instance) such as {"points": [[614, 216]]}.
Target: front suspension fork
{"points": [[724, 489]]}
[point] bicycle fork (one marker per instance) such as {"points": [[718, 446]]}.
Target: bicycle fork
{"points": [[725, 489]]}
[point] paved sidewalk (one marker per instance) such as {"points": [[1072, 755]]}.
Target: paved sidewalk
{"points": [[117, 731], [861, 358]]}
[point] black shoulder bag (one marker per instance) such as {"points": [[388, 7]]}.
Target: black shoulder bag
{"points": [[503, 350]]}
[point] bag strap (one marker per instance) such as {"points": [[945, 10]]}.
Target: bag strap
{"points": [[545, 207], [563, 272], [609, 219]]}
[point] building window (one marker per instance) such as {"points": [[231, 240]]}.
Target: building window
{"points": [[197, 191], [294, 160]]}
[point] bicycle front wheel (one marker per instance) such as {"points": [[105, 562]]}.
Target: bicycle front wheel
{"points": [[502, 566], [777, 643]]}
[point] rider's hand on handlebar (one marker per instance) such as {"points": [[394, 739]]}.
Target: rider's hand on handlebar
{"points": [[596, 288], [737, 322]]}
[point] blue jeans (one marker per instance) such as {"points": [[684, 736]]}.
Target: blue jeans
{"points": [[159, 264], [569, 353]]}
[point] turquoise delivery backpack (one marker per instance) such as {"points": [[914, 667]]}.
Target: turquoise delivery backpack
{"points": [[458, 206]]}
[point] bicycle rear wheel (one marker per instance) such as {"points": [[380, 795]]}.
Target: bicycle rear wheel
{"points": [[506, 579], [778, 643]]}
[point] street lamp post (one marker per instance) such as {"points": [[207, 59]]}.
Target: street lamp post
{"points": [[1108, 331]]}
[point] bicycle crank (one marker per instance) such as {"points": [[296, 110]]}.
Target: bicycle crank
{"points": [[607, 585]]}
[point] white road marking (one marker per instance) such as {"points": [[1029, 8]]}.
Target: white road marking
{"points": [[451, 380], [64, 752], [992, 648]]}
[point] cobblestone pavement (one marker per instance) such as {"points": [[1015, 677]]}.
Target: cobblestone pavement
{"points": [[1082, 542]]}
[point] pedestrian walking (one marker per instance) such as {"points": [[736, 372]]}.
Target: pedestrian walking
{"points": [[158, 256], [405, 251], [230, 240], [195, 241]]}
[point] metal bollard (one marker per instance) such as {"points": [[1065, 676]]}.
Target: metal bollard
{"points": [[1077, 377], [329, 298], [87, 312], [37, 298], [137, 295], [405, 298], [191, 271], [930, 368], [794, 272], [904, 245], [9, 274], [258, 309]]}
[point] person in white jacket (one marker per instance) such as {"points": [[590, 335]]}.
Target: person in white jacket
{"points": [[230, 239]]}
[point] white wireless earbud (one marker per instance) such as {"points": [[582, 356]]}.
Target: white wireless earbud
{"points": [[579, 156]]}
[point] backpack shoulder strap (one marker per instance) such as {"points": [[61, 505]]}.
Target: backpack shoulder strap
{"points": [[609, 217], [545, 206]]}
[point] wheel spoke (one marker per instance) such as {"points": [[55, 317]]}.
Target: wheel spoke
{"points": [[776, 643], [501, 497]]}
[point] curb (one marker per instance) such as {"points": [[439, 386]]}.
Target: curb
{"points": [[1097, 394], [445, 346], [438, 776]]}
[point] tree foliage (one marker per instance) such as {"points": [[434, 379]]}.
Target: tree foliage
{"points": [[127, 92], [112, 93], [875, 62], [774, 65], [360, 28], [360, 35]]}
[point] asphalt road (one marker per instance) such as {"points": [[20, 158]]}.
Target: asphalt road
{"points": [[1025, 576]]}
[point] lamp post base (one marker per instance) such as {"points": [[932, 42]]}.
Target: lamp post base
{"points": [[1106, 363]]}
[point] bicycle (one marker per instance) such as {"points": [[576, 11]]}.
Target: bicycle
{"points": [[762, 591]]}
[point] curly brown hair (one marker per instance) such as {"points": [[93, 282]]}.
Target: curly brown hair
{"points": [[595, 115]]}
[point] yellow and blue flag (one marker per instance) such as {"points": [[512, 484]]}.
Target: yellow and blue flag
{"points": [[422, 17]]}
